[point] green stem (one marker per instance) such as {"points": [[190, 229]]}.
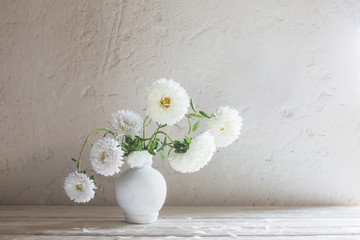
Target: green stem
{"points": [[166, 135], [144, 128], [87, 139], [152, 137], [118, 136]]}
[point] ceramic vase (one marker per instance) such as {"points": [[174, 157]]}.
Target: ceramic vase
{"points": [[141, 193]]}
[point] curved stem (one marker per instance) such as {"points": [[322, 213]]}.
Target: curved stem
{"points": [[87, 139], [165, 135], [152, 137], [118, 136]]}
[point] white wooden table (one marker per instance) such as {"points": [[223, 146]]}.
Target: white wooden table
{"points": [[87, 222]]}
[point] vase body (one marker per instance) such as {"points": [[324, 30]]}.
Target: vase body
{"points": [[141, 193]]}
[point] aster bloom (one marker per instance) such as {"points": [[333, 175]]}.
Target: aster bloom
{"points": [[166, 101], [225, 126], [139, 159], [79, 187], [106, 157], [200, 151], [126, 122]]}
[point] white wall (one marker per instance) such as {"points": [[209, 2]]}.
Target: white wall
{"points": [[290, 67]]}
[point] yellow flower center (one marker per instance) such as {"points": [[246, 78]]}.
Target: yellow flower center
{"points": [[124, 125], [165, 102], [221, 129], [103, 156], [79, 187]]}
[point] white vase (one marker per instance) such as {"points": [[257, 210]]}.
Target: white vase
{"points": [[141, 192]]}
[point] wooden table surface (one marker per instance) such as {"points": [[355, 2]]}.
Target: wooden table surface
{"points": [[88, 222]]}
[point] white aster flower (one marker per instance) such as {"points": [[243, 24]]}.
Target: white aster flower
{"points": [[105, 157], [166, 101], [139, 159], [126, 122], [79, 187], [225, 126], [200, 151]]}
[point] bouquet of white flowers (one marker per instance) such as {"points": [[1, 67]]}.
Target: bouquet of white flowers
{"points": [[166, 104]]}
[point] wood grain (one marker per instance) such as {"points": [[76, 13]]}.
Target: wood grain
{"points": [[88, 222]]}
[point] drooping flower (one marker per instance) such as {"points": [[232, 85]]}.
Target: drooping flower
{"points": [[200, 151], [139, 159], [79, 187], [225, 126], [106, 157], [166, 101], [126, 122]]}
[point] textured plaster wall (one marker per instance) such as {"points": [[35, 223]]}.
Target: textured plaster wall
{"points": [[292, 69]]}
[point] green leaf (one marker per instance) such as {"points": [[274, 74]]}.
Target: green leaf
{"points": [[155, 144], [170, 151], [93, 178], [161, 125], [195, 126], [105, 134], [163, 144], [204, 114], [161, 156], [192, 105], [189, 125], [193, 115], [74, 159], [177, 125], [138, 147], [187, 139], [128, 139], [149, 122], [151, 152]]}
